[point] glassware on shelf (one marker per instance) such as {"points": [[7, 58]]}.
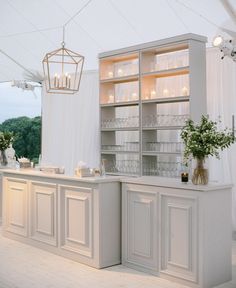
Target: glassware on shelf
{"points": [[164, 169], [166, 120], [128, 122], [128, 167], [165, 147], [112, 147], [132, 146]]}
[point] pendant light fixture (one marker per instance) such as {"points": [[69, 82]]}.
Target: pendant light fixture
{"points": [[63, 67]]}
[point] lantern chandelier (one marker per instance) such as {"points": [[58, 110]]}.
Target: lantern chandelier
{"points": [[63, 68]]}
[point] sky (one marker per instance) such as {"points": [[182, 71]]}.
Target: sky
{"points": [[14, 102]]}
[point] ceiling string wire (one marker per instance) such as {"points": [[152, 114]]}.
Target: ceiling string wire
{"points": [[26, 19], [77, 13], [81, 27], [197, 13], [177, 15], [126, 19], [29, 32]]}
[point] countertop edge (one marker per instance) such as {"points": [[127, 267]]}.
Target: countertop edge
{"points": [[35, 173]]}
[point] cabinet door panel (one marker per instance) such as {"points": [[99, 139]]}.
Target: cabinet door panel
{"points": [[76, 209], [44, 212], [142, 228], [178, 238], [16, 206]]}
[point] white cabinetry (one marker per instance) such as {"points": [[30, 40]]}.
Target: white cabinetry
{"points": [[43, 212], [141, 229], [76, 212], [176, 231], [179, 236], [72, 217], [15, 209]]}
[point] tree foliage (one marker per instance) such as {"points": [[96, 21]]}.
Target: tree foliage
{"points": [[27, 135]]}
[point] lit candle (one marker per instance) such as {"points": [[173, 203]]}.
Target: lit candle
{"points": [[111, 98], [110, 74], [184, 177], [185, 91], [58, 81], [66, 80], [69, 80], [153, 94], [120, 72], [166, 92], [55, 80], [134, 96]]}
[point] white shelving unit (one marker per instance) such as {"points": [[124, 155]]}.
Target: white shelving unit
{"points": [[147, 92]]}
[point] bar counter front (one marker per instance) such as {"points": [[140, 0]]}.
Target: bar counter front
{"points": [[173, 230]]}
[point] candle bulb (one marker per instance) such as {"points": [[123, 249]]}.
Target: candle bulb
{"points": [[66, 80], [184, 177], [55, 80], [58, 81], [69, 80]]}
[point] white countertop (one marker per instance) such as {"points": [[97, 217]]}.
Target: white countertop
{"points": [[175, 183], [37, 173], [144, 180]]}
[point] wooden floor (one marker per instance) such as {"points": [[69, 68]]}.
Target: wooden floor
{"points": [[23, 266]]}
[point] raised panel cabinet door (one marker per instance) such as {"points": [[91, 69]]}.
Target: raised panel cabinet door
{"points": [[141, 230], [15, 194], [43, 210], [179, 237], [76, 211]]}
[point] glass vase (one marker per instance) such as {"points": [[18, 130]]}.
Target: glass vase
{"points": [[3, 158], [200, 173]]}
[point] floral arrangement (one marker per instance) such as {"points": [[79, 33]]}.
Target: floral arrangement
{"points": [[6, 139], [204, 139]]}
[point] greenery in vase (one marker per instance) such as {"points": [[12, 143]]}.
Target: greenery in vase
{"points": [[6, 139], [204, 139]]}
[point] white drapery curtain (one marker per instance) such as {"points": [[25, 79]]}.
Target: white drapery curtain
{"points": [[221, 101], [71, 122], [70, 126]]}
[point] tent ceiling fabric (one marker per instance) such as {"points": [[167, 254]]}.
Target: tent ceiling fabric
{"points": [[103, 25]]}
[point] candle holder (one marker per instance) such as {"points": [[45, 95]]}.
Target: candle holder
{"points": [[184, 177]]}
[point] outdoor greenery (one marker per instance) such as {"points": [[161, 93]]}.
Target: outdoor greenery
{"points": [[27, 136], [204, 139], [6, 139]]}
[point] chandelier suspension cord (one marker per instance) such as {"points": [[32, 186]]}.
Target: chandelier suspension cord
{"points": [[77, 13], [71, 18]]}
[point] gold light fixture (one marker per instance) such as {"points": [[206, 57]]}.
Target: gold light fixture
{"points": [[62, 70], [63, 67]]}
